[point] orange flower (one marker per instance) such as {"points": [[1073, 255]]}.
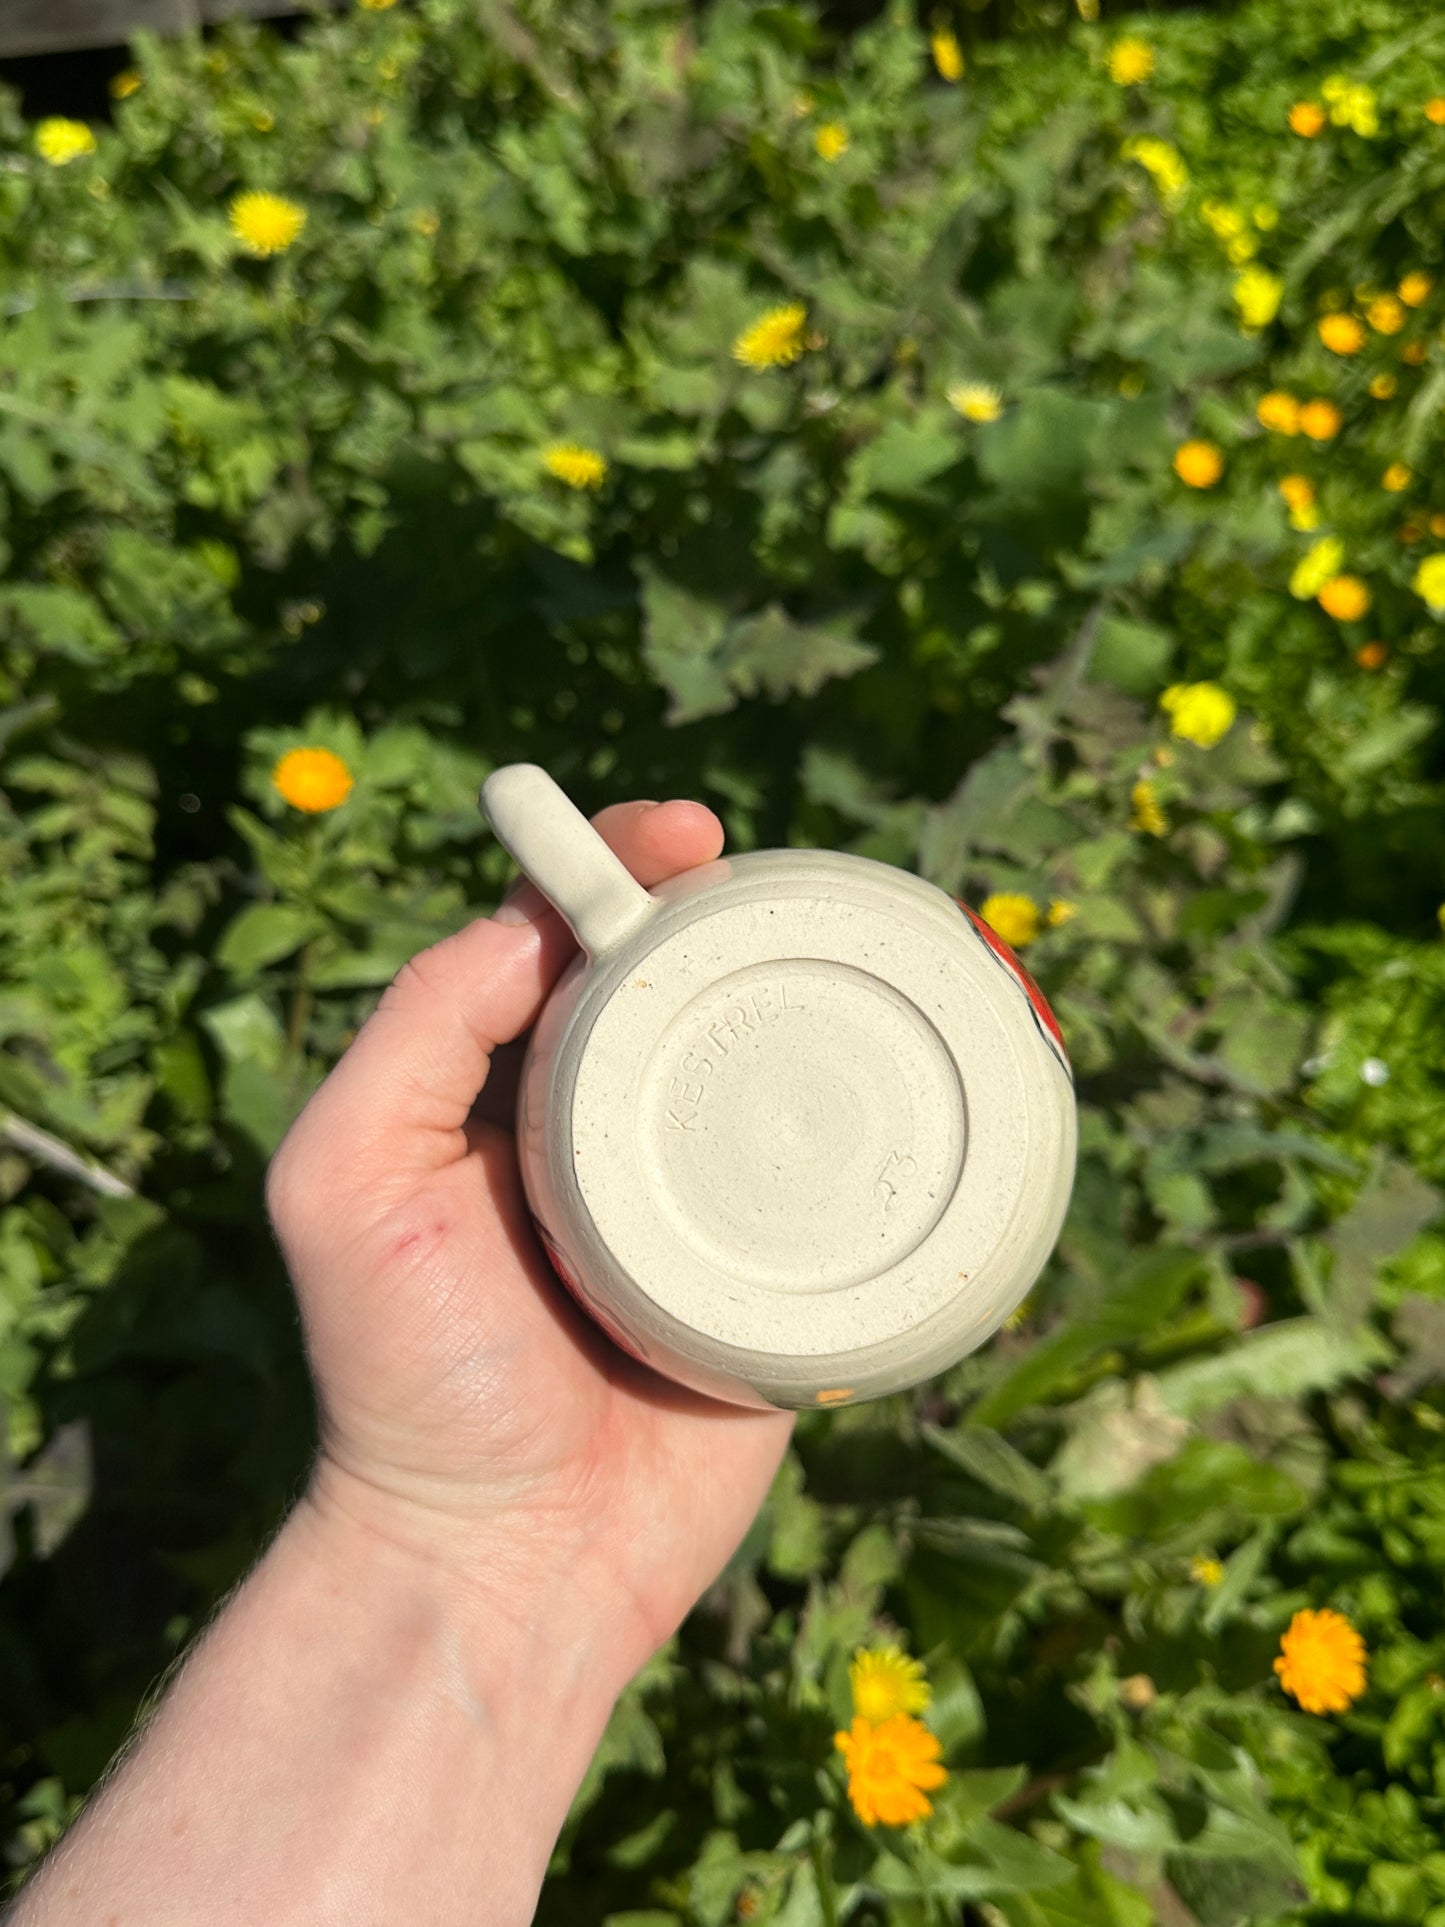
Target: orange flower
{"points": [[312, 779], [1306, 117], [1371, 655], [1383, 386], [1437, 525], [1386, 314], [1321, 1661], [1435, 110], [1414, 352], [1198, 464], [1345, 598], [1341, 334], [1278, 411], [1320, 420], [1297, 490], [889, 1766], [1414, 290]]}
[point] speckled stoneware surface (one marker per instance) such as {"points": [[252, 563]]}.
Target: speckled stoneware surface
{"points": [[795, 1127]]}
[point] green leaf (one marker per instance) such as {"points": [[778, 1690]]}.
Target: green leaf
{"points": [[987, 1456], [263, 934]]}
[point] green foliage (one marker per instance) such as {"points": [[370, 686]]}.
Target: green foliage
{"points": [[251, 505]]}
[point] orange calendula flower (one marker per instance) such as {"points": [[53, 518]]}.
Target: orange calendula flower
{"points": [[1297, 490], [885, 1682], [1435, 110], [1344, 597], [1371, 655], [1386, 314], [1342, 334], [890, 1769], [1397, 476], [1278, 411], [1306, 118], [1198, 464], [1320, 420], [1413, 353], [1437, 525], [1321, 1661], [1414, 290], [312, 779]]}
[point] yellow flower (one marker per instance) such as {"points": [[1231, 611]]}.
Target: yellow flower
{"points": [[1130, 61], [1206, 1569], [376, 6], [1344, 597], [1265, 216], [1242, 248], [1257, 295], [578, 467], [1321, 1661], [1371, 655], [976, 401], [1320, 420], [1306, 117], [1414, 290], [312, 779], [1314, 569], [124, 84], [60, 141], [1383, 386], [1222, 220], [947, 54], [266, 223], [1397, 476], [1015, 918], [1147, 814], [1414, 352], [1163, 162], [1060, 910], [886, 1682], [1341, 334], [1386, 315], [1428, 583], [1198, 464], [1434, 110], [1299, 493], [1278, 411], [1198, 712], [775, 339], [889, 1766], [831, 140]]}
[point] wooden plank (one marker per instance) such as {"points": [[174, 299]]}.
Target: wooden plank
{"points": [[55, 26]]}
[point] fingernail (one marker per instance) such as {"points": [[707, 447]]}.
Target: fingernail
{"points": [[523, 903]]}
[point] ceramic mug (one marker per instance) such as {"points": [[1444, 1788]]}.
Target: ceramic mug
{"points": [[796, 1127]]}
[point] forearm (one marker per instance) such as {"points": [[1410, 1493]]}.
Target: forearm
{"points": [[357, 1739]]}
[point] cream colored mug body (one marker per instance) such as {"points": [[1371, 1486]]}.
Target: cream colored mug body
{"points": [[796, 1127]]}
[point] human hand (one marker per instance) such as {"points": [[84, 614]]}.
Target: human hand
{"points": [[470, 1412]]}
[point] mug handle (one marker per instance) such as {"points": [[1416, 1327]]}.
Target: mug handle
{"points": [[536, 822]]}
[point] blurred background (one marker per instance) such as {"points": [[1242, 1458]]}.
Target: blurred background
{"points": [[1002, 440]]}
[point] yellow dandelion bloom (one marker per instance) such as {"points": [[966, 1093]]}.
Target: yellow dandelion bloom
{"points": [[1314, 569], [886, 1682], [1306, 118], [1344, 597], [59, 141], [1198, 712], [947, 54], [1320, 420], [1397, 476], [1383, 386], [312, 779], [1434, 110], [1060, 911], [831, 140], [1015, 918], [124, 84], [889, 1768], [1428, 583], [266, 223], [1342, 334], [1164, 163], [1278, 411], [1222, 220], [1198, 464], [1130, 61], [1257, 295], [1386, 314], [775, 339], [1242, 248], [1147, 814], [575, 465], [1371, 655], [1414, 290], [976, 401], [1321, 1661], [1205, 1569]]}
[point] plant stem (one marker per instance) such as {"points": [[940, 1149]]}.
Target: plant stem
{"points": [[827, 1894]]}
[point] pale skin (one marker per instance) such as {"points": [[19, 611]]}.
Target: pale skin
{"points": [[507, 1517]]}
